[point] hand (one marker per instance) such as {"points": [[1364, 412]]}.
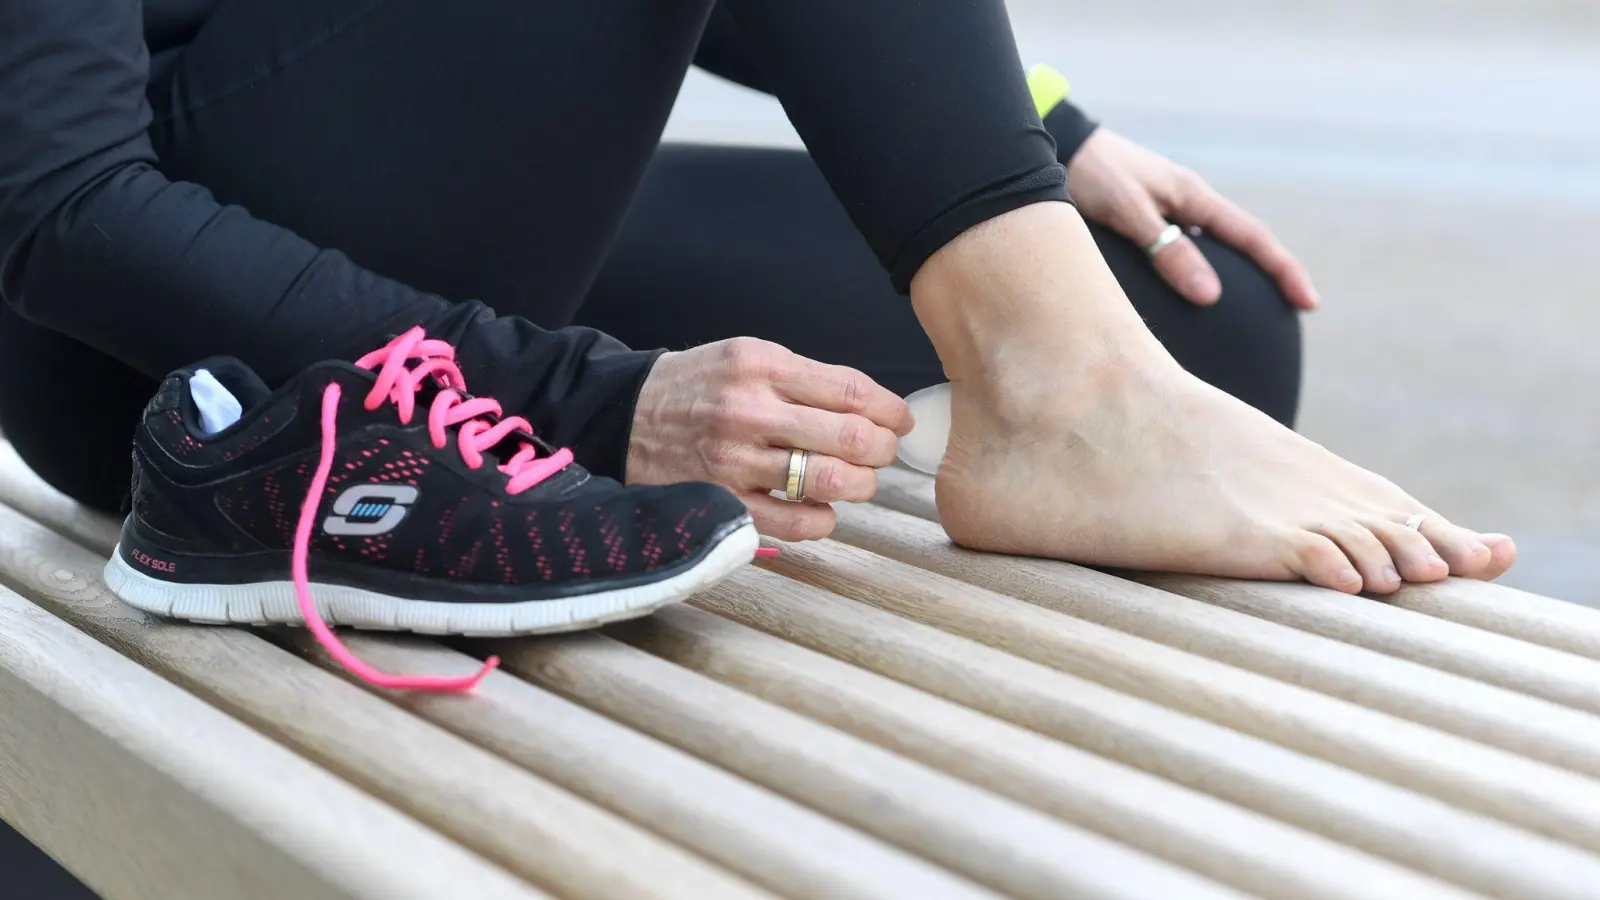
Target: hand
{"points": [[1134, 192], [729, 412]]}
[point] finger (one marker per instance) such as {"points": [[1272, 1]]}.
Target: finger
{"points": [[1196, 203], [841, 389], [852, 438], [1413, 555], [1366, 553], [789, 521], [1180, 263], [827, 479]]}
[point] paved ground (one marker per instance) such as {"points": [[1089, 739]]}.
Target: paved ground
{"points": [[1437, 163]]}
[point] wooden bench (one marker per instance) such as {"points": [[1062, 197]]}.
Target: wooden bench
{"points": [[878, 716]]}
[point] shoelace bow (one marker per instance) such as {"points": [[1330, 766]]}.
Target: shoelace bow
{"points": [[476, 431]]}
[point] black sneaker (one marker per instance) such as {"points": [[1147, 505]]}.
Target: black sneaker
{"points": [[421, 509]]}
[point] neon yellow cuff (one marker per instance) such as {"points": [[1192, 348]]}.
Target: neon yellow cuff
{"points": [[1048, 87]]}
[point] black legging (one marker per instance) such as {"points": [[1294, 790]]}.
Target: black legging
{"points": [[719, 242], [725, 241]]}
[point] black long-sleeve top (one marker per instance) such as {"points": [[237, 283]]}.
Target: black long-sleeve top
{"points": [[97, 244]]}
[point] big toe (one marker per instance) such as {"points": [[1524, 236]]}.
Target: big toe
{"points": [[1503, 555]]}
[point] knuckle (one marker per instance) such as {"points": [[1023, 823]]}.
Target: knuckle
{"points": [[794, 524], [855, 438], [829, 483], [749, 358], [722, 457], [813, 523], [1188, 187], [853, 390], [734, 411], [777, 525]]}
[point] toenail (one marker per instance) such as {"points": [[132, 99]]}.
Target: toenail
{"points": [[1349, 576], [1477, 548], [1436, 559], [1390, 574]]}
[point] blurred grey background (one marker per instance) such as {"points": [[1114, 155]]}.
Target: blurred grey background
{"points": [[1437, 165]]}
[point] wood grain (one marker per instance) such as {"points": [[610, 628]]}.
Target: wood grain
{"points": [[146, 793], [1542, 798], [993, 840], [522, 822], [1385, 820], [1216, 839], [768, 838], [1525, 725]]}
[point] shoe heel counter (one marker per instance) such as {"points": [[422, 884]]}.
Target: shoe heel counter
{"points": [[155, 499], [153, 514]]}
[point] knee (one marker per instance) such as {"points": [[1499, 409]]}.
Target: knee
{"points": [[1256, 344]]}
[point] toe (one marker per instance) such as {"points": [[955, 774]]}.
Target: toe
{"points": [[1367, 553], [1503, 555], [1414, 556], [1319, 560], [1465, 552]]}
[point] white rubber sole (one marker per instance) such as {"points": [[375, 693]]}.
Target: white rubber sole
{"points": [[273, 602]]}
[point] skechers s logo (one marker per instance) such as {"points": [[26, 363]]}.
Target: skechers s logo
{"points": [[369, 509]]}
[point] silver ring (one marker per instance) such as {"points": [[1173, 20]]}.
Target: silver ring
{"points": [[1168, 236], [1415, 522], [795, 488]]}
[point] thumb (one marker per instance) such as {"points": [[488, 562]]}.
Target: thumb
{"points": [[1180, 263]]}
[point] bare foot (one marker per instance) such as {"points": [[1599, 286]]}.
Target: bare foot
{"points": [[1078, 438]]}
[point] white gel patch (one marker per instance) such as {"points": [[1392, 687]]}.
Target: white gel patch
{"points": [[218, 407], [923, 448]]}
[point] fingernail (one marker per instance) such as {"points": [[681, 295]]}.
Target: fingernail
{"points": [[1391, 573], [1205, 287]]}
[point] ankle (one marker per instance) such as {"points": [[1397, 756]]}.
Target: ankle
{"points": [[1026, 291]]}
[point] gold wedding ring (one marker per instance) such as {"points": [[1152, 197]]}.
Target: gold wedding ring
{"points": [[795, 490]]}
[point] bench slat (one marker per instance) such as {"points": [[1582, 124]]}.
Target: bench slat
{"points": [[1539, 797], [1431, 836], [146, 793], [749, 829], [1217, 839], [1507, 611], [1482, 655], [524, 823], [990, 839], [1506, 719]]}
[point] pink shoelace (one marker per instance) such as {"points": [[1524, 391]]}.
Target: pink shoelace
{"points": [[476, 432]]}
